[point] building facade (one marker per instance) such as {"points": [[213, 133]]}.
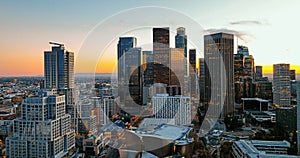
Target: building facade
{"points": [[218, 54], [172, 107], [124, 45], [281, 85], [44, 129], [59, 74], [161, 55], [193, 74]]}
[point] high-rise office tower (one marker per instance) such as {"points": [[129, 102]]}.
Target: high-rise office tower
{"points": [[59, 74], [148, 67], [177, 66], [181, 42], [218, 54], [192, 73], [298, 118], [202, 80], [247, 60], [124, 45], [281, 85], [44, 129], [258, 72], [238, 66], [293, 74], [133, 80], [148, 75], [58, 67], [161, 55], [248, 66], [172, 107]]}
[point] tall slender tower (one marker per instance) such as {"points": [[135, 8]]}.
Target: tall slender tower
{"points": [[161, 55], [124, 45], [133, 80], [181, 42], [218, 52], [192, 73], [59, 74], [281, 85], [202, 80], [298, 117], [58, 67], [258, 72]]}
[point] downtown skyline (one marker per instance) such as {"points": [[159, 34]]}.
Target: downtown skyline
{"points": [[267, 32]]}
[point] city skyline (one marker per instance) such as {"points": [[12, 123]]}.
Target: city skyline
{"points": [[259, 31]]}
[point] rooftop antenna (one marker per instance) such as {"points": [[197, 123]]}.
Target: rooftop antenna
{"points": [[55, 43]]}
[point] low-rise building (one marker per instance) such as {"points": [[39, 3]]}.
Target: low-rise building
{"points": [[259, 148]]}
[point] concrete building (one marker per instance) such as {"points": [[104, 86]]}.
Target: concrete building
{"points": [[256, 104], [44, 129], [172, 107], [258, 148], [6, 123]]}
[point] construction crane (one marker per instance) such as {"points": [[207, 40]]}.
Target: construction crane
{"points": [[54, 43]]}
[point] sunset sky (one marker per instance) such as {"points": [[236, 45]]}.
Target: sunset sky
{"points": [[269, 28]]}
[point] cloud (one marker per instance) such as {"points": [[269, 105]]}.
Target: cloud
{"points": [[245, 36], [248, 22]]}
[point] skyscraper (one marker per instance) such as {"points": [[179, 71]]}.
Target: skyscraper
{"points": [[248, 62], [202, 80], [298, 118], [177, 66], [148, 75], [130, 75], [59, 74], [281, 85], [258, 72], [192, 73], [58, 67], [238, 66], [161, 55], [293, 74], [44, 129], [181, 42], [148, 67], [218, 52], [133, 79], [124, 45]]}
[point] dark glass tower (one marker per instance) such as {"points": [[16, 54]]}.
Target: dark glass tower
{"points": [[124, 45], [218, 54], [161, 55], [192, 72]]}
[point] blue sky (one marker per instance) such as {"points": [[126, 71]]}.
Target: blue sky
{"points": [[269, 28]]}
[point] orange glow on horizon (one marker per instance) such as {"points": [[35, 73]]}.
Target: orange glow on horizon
{"points": [[268, 69]]}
